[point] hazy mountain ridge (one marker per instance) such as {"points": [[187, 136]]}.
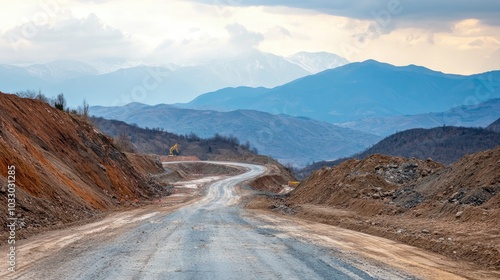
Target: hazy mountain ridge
{"points": [[479, 115], [317, 62], [226, 99], [289, 139], [364, 90], [495, 126], [444, 144], [156, 141], [158, 84], [61, 70]]}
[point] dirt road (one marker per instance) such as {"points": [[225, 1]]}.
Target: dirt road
{"points": [[215, 238]]}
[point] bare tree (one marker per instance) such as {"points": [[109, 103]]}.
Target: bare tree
{"points": [[85, 109], [60, 102]]}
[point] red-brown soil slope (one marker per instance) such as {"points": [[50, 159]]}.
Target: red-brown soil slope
{"points": [[65, 169], [375, 179], [451, 210]]}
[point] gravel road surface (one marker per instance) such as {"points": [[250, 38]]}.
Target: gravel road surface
{"points": [[212, 238]]}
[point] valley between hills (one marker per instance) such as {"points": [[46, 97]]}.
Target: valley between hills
{"points": [[317, 178]]}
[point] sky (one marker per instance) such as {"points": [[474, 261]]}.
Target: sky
{"points": [[453, 36]]}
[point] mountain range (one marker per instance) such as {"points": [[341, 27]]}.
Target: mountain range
{"points": [[294, 140], [445, 144], [477, 115], [359, 90], [163, 83], [322, 116], [155, 141], [495, 126]]}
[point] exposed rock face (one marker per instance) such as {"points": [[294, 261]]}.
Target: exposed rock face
{"points": [[419, 202], [65, 169], [376, 177]]}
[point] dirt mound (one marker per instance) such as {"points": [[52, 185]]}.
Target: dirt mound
{"points": [[277, 177], [272, 183], [200, 169], [65, 169], [451, 210], [445, 144], [376, 178], [178, 158], [471, 182]]}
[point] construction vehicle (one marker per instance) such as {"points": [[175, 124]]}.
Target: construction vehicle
{"points": [[174, 148]]}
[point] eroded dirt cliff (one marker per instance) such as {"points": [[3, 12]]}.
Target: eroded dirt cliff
{"points": [[452, 210], [65, 169]]}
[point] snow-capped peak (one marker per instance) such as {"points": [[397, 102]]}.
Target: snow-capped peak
{"points": [[315, 62]]}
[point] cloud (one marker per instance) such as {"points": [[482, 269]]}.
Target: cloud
{"points": [[71, 38], [94, 1], [410, 11], [241, 38], [185, 51], [476, 43], [189, 50], [278, 32]]}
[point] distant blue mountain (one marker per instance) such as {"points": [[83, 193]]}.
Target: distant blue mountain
{"points": [[227, 99], [295, 140], [359, 90], [161, 84], [476, 115]]}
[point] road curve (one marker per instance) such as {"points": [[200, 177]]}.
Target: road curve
{"points": [[213, 238]]}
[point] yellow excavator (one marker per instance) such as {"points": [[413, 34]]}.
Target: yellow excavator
{"points": [[174, 148]]}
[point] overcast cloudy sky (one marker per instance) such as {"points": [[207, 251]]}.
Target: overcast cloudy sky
{"points": [[455, 36]]}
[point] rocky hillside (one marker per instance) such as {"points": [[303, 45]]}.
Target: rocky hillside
{"points": [[407, 183], [219, 148], [442, 144], [290, 140], [375, 177], [495, 126], [452, 210], [472, 184], [65, 169], [158, 141]]}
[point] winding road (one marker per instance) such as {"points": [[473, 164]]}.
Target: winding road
{"points": [[212, 238]]}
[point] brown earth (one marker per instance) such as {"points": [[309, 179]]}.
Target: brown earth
{"points": [[158, 141], [275, 178], [454, 211], [200, 169], [178, 158], [65, 169], [272, 183], [146, 164]]}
